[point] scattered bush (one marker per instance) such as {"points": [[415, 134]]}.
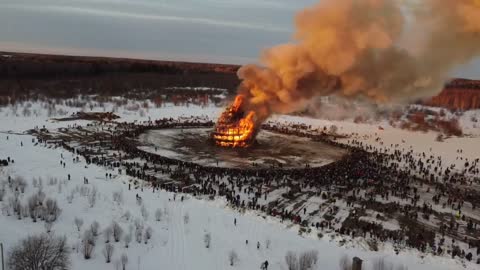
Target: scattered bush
{"points": [[124, 260], [127, 239], [144, 212], [118, 197], [158, 214], [186, 218], [108, 252], [381, 264], [306, 261], [232, 257], [268, 243], [78, 223], [108, 234], [291, 260], [117, 231], [207, 238], [148, 234], [138, 234], [40, 252], [345, 263], [127, 215], [92, 197], [48, 226], [52, 210], [70, 197], [88, 243], [94, 228]]}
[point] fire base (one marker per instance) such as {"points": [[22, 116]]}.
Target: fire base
{"points": [[235, 128]]}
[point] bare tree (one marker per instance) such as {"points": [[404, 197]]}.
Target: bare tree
{"points": [[117, 231], [108, 234], [20, 210], [381, 264], [40, 212], [33, 203], [127, 215], [25, 211], [20, 184], [41, 195], [124, 260], [291, 260], [48, 226], [158, 214], [138, 234], [345, 263], [232, 257], [88, 244], [108, 252], [127, 239], [70, 197], [118, 197], [118, 264], [207, 238], [52, 210], [144, 212], [14, 204], [307, 260], [92, 197], [94, 228], [40, 252], [148, 234], [78, 222]]}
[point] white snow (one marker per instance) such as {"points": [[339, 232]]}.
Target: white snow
{"points": [[176, 244]]}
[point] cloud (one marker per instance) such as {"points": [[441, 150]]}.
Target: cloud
{"points": [[145, 16]]}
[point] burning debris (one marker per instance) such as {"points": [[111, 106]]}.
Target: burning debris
{"points": [[235, 127]]}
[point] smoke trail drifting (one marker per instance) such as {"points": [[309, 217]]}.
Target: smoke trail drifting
{"points": [[385, 50]]}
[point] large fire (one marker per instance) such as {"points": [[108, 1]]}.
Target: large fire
{"points": [[235, 128]]}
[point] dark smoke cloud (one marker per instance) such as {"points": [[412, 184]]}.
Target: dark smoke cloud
{"points": [[384, 50]]}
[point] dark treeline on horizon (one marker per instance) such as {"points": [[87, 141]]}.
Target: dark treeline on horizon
{"points": [[22, 75]]}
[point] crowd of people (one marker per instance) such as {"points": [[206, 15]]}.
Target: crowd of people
{"points": [[414, 189], [3, 162]]}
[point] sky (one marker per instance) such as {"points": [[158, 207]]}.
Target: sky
{"points": [[226, 31], [220, 31]]}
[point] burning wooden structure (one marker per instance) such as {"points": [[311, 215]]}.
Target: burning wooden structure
{"points": [[235, 128]]}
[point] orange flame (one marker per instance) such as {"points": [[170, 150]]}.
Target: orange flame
{"points": [[233, 129]]}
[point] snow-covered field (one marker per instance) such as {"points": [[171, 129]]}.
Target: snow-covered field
{"points": [[383, 136], [177, 241]]}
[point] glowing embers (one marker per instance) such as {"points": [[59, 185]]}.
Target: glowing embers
{"points": [[234, 128]]}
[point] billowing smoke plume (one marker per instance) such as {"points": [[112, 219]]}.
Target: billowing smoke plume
{"points": [[384, 50]]}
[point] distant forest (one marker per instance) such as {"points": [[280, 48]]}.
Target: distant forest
{"points": [[23, 75]]}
